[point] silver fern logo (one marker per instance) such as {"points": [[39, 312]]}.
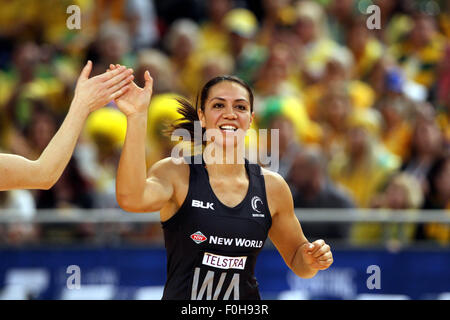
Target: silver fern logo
{"points": [[255, 207]]}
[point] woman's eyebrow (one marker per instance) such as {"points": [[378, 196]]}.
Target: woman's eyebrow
{"points": [[223, 99]]}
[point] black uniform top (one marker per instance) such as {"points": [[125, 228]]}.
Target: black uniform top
{"points": [[212, 248]]}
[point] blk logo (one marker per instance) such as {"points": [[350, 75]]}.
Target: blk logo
{"points": [[198, 237], [199, 204]]}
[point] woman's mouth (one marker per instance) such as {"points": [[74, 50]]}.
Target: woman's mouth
{"points": [[228, 128]]}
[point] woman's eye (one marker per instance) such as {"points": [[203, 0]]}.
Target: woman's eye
{"points": [[241, 107], [218, 105]]}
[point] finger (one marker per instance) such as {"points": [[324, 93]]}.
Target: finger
{"points": [[117, 94], [109, 75], [324, 249], [148, 81], [118, 78], [322, 265], [325, 264], [306, 248], [121, 84], [325, 256], [317, 245], [110, 68], [84, 75]]}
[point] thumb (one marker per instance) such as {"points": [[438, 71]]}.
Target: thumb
{"points": [[148, 81], [86, 71]]}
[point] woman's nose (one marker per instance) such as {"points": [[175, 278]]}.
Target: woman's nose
{"points": [[229, 113]]}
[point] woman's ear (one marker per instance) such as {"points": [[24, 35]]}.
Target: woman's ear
{"points": [[201, 117], [252, 116]]}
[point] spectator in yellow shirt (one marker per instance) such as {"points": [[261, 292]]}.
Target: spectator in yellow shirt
{"points": [[182, 43], [364, 165], [421, 51], [213, 33], [366, 49], [403, 192]]}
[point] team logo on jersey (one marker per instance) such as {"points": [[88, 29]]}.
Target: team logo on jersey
{"points": [[257, 206], [224, 262], [198, 237], [199, 204]]}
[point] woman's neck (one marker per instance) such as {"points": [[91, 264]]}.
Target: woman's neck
{"points": [[228, 162], [222, 171]]}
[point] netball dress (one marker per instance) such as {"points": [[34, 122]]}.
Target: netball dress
{"points": [[212, 248]]}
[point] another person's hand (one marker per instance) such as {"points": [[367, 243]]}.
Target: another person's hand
{"points": [[97, 91], [136, 99], [317, 255]]}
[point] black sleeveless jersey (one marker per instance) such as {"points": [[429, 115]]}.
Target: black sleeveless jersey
{"points": [[212, 248]]}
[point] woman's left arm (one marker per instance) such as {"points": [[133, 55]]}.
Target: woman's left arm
{"points": [[17, 172], [301, 256]]}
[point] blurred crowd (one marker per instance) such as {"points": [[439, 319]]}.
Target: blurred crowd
{"points": [[363, 113]]}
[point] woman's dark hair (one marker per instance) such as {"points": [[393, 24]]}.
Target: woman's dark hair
{"points": [[189, 112]]}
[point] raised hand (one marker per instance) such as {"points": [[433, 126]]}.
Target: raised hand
{"points": [[317, 255], [90, 94], [97, 91], [136, 99]]}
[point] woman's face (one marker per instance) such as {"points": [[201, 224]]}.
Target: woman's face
{"points": [[336, 113], [217, 9], [183, 47], [306, 30], [227, 114], [422, 31]]}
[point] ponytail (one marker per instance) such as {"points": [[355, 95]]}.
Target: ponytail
{"points": [[187, 121]]}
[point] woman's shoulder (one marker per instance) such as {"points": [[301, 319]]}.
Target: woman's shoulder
{"points": [[170, 167], [272, 177], [279, 197], [277, 188]]}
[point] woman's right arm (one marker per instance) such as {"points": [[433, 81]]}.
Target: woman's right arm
{"points": [[135, 192]]}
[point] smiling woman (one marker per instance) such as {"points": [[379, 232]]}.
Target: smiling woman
{"points": [[216, 216], [215, 102]]}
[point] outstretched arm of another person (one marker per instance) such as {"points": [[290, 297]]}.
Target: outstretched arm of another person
{"points": [[17, 172], [135, 192], [305, 259]]}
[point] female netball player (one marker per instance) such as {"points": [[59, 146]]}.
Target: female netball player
{"points": [[17, 172], [215, 217]]}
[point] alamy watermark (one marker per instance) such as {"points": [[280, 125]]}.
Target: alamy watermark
{"points": [[74, 20], [374, 20], [227, 147], [74, 280], [374, 280]]}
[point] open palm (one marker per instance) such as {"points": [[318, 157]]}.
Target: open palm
{"points": [[136, 99]]}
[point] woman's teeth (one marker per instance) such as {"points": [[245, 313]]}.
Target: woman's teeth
{"points": [[228, 128]]}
